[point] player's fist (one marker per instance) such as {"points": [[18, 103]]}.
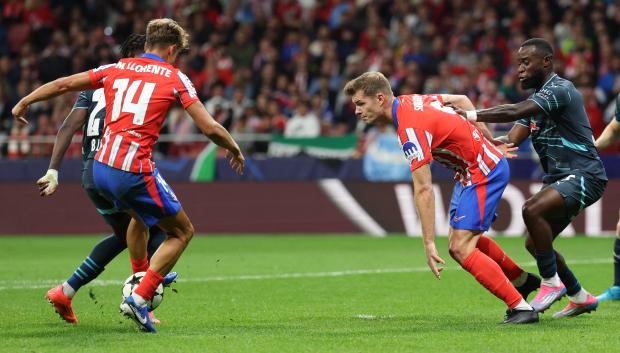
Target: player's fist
{"points": [[48, 183], [19, 112], [236, 161]]}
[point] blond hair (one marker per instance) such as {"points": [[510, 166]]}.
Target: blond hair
{"points": [[370, 83], [164, 32]]}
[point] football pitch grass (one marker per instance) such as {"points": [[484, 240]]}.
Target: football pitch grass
{"points": [[295, 294]]}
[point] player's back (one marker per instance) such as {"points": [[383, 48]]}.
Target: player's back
{"points": [[429, 130], [93, 101], [138, 92]]}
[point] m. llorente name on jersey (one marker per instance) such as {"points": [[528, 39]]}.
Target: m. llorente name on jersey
{"points": [[94, 102], [152, 68]]}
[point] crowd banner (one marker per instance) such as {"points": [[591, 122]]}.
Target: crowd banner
{"points": [[336, 147]]}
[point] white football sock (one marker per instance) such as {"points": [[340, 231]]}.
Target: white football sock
{"points": [[519, 281], [523, 305], [68, 290], [580, 297], [553, 281], [138, 299]]}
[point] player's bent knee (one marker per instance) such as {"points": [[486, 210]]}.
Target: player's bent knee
{"points": [[457, 251], [529, 209], [187, 234]]}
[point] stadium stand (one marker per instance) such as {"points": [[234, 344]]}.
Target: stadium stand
{"points": [[256, 63]]}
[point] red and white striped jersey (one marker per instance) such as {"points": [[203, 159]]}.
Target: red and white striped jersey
{"points": [[138, 93], [428, 130]]}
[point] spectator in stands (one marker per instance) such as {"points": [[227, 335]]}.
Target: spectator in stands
{"points": [[285, 51], [304, 122]]}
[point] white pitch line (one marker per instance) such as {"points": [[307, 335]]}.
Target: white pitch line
{"points": [[46, 283]]}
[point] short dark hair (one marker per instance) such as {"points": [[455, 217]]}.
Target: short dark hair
{"points": [[540, 44], [132, 45]]}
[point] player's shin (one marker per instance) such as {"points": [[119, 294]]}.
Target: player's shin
{"points": [[137, 237], [490, 276], [148, 285], [490, 248]]}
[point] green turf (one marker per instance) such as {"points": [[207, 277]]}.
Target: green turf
{"points": [[299, 300]]}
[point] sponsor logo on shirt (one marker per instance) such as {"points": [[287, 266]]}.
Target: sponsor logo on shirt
{"points": [[544, 93], [411, 152]]}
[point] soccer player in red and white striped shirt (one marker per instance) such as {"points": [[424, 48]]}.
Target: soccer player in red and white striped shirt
{"points": [[427, 130], [139, 92]]}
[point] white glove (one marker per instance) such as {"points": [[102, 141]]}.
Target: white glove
{"points": [[48, 183]]}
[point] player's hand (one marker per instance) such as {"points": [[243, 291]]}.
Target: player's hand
{"points": [[458, 110], [236, 161], [19, 112], [507, 149], [48, 183], [432, 259]]}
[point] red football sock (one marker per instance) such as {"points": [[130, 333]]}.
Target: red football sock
{"points": [[490, 248], [139, 265], [149, 284], [489, 274]]}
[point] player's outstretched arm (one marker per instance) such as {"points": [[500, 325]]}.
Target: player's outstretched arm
{"points": [[77, 82], [504, 113], [517, 134], [610, 135], [75, 120], [218, 134], [425, 204]]}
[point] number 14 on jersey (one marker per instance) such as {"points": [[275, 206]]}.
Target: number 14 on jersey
{"points": [[124, 97]]}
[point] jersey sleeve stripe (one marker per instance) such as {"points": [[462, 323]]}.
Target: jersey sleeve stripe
{"points": [[188, 85], [429, 138]]}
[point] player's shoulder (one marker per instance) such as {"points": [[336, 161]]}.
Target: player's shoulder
{"points": [[560, 84], [417, 101], [104, 67], [87, 94]]}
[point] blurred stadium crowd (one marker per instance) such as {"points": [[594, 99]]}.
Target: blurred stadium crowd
{"points": [[278, 66]]}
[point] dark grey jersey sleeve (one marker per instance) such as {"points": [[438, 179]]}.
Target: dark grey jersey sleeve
{"points": [[84, 100]]}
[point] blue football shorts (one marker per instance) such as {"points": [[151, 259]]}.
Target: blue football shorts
{"points": [[147, 194], [473, 207]]}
